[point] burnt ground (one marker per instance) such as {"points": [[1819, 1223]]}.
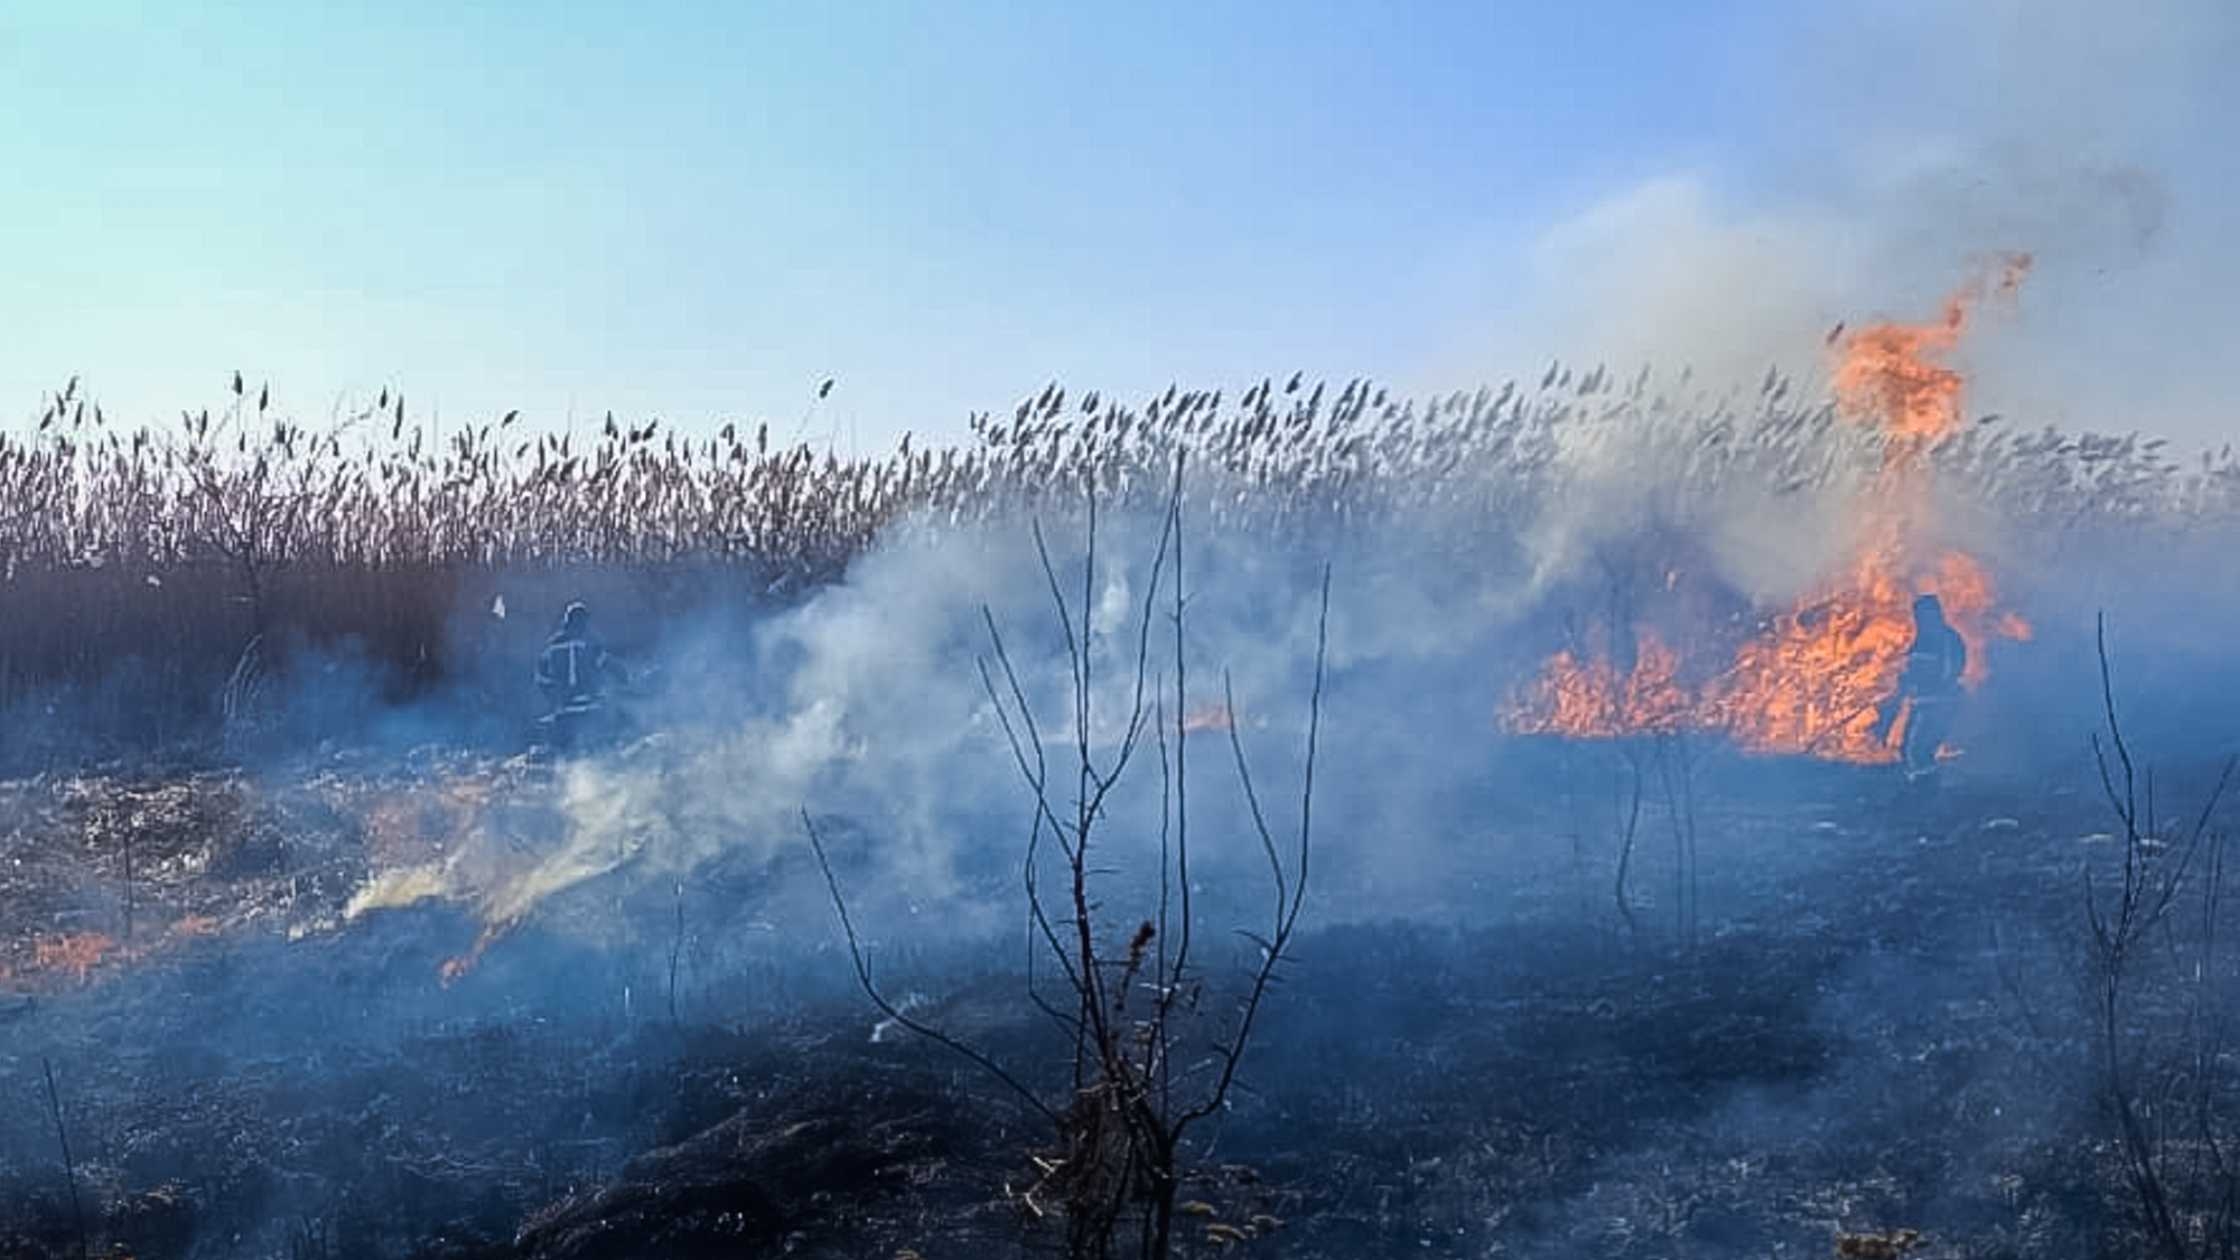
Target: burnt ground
{"points": [[1871, 1026]]}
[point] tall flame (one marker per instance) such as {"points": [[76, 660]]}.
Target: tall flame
{"points": [[1816, 677], [1891, 376]]}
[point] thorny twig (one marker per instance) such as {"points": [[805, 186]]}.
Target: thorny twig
{"points": [[2144, 897], [889, 1009]]}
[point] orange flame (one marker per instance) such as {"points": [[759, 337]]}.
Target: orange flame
{"points": [[1891, 375], [1592, 698], [1816, 678]]}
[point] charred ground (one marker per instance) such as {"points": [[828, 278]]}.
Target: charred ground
{"points": [[1875, 1027]]}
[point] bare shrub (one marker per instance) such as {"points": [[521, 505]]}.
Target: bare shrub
{"points": [[1132, 997], [2159, 985]]}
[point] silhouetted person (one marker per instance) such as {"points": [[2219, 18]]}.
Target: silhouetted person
{"points": [[1930, 684], [574, 672]]}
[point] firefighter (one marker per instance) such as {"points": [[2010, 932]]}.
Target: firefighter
{"points": [[574, 672], [1929, 689]]}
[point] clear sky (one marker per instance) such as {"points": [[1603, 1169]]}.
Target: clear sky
{"points": [[700, 210]]}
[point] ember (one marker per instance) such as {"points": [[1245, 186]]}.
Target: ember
{"points": [[196, 925], [74, 953], [456, 968], [1208, 717]]}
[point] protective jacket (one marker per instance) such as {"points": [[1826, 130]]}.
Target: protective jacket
{"points": [[1935, 662], [573, 671]]}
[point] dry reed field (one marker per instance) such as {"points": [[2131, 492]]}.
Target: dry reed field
{"points": [[153, 574]]}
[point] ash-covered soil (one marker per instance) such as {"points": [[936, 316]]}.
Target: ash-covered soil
{"points": [[1870, 1026]]}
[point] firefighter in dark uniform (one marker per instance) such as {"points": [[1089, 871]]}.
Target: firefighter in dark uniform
{"points": [[1929, 689], [573, 672]]}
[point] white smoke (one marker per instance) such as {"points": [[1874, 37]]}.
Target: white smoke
{"points": [[1905, 140]]}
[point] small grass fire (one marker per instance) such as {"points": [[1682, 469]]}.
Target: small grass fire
{"points": [[1813, 679]]}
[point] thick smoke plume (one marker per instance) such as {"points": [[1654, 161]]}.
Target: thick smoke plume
{"points": [[1908, 139]]}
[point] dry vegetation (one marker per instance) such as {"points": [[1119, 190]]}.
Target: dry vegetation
{"points": [[155, 558]]}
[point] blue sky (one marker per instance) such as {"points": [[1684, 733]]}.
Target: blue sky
{"points": [[699, 211]]}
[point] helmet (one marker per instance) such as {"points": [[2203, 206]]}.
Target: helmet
{"points": [[1928, 608], [575, 618]]}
